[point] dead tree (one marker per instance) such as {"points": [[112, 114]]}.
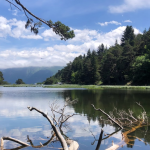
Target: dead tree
{"points": [[57, 123], [124, 119]]}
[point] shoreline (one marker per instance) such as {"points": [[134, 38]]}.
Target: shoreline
{"points": [[79, 86]]}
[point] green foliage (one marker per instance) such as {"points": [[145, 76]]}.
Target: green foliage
{"points": [[128, 62], [19, 81], [51, 80], [140, 69], [1, 78], [74, 77], [128, 36], [62, 30]]}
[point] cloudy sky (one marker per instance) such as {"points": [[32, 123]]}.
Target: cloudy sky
{"points": [[94, 22]]}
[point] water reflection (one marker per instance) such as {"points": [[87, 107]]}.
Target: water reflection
{"points": [[18, 122], [110, 99]]}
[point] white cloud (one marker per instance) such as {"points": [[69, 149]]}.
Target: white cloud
{"points": [[128, 21], [54, 55], [49, 34], [111, 22], [37, 57], [57, 55], [94, 40], [130, 5], [16, 29]]}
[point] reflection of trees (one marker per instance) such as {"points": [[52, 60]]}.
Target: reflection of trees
{"points": [[112, 100], [107, 100], [1, 94], [124, 120]]}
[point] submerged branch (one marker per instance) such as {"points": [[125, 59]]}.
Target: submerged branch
{"points": [[41, 145], [99, 140], [108, 116]]}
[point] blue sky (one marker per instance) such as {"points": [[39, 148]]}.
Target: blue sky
{"points": [[94, 22]]}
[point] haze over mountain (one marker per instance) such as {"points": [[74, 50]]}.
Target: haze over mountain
{"points": [[29, 75]]}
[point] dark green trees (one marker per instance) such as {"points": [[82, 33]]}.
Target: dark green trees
{"points": [[125, 63], [128, 36], [19, 81], [95, 75], [141, 70], [1, 78], [110, 68]]}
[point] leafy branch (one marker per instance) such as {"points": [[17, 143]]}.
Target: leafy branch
{"points": [[61, 29]]}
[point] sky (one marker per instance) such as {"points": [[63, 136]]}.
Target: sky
{"points": [[94, 22]]}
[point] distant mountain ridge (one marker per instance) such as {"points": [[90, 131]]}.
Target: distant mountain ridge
{"points": [[29, 75]]}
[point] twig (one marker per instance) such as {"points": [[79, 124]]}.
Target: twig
{"points": [[41, 145], [13, 4], [111, 134]]}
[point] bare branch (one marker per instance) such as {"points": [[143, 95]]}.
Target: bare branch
{"points": [[25, 9], [14, 140], [140, 106], [111, 134], [107, 116], [41, 145], [62, 30]]}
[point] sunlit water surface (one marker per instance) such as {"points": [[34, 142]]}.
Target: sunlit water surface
{"points": [[17, 121]]}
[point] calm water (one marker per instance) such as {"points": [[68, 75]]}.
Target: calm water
{"points": [[18, 122]]}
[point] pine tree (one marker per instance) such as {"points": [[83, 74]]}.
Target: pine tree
{"points": [[100, 49], [128, 36]]}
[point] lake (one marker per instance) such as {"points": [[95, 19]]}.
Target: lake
{"points": [[17, 121]]}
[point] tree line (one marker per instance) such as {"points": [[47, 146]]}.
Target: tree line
{"points": [[124, 63]]}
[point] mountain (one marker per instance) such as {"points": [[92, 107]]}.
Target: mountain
{"points": [[29, 75]]}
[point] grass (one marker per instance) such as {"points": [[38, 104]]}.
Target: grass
{"points": [[96, 86], [21, 85], [79, 86], [72, 86]]}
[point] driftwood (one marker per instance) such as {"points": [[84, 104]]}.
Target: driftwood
{"points": [[73, 145], [16, 148], [58, 134], [14, 140], [125, 119], [41, 145], [57, 125]]}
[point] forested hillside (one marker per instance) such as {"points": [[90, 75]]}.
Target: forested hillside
{"points": [[124, 63]]}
